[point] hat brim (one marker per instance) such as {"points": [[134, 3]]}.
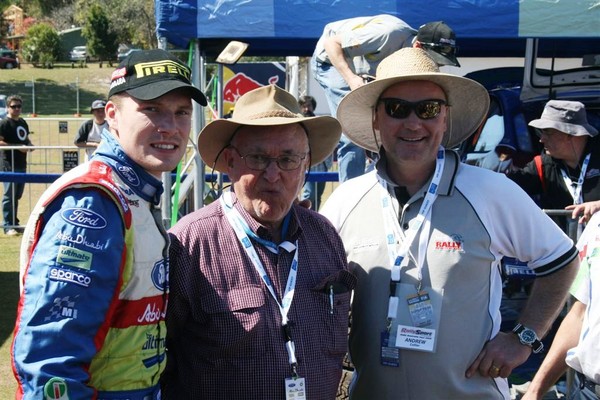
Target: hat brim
{"points": [[160, 88], [323, 136], [468, 100], [441, 59], [569, 129]]}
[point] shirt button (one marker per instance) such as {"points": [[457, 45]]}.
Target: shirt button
{"points": [[405, 226]]}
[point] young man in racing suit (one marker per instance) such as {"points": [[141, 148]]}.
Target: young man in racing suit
{"points": [[94, 265]]}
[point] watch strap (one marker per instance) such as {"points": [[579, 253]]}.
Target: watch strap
{"points": [[537, 345]]}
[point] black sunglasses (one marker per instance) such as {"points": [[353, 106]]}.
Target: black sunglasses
{"points": [[445, 49], [424, 109], [16, 106]]}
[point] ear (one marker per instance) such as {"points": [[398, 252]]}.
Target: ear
{"points": [[375, 120], [227, 155], [111, 115]]}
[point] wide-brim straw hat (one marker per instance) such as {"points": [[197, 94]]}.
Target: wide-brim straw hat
{"points": [[268, 106], [568, 117], [468, 100]]}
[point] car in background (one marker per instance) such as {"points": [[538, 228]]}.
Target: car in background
{"points": [[8, 60], [79, 54], [3, 110], [123, 53], [517, 96]]}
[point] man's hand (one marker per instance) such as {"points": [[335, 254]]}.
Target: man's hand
{"points": [[584, 210], [499, 357]]}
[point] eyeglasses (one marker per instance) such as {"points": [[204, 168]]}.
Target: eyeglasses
{"points": [[444, 49], [16, 106], [260, 162], [424, 109]]}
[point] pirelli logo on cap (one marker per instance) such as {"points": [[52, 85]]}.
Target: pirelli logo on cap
{"points": [[143, 70]]}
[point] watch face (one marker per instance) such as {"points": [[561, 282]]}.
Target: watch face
{"points": [[527, 336]]}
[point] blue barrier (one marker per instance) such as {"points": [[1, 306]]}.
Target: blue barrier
{"points": [[25, 177]]}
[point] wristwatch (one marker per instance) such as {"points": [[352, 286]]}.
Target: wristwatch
{"points": [[528, 337]]}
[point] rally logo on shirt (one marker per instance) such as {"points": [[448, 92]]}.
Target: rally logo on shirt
{"points": [[453, 243]]}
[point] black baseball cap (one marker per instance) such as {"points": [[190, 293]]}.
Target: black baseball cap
{"points": [[439, 41], [149, 74]]}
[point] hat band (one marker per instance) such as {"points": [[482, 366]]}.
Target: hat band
{"points": [[274, 113]]}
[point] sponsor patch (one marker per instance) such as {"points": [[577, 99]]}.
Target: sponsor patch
{"points": [[62, 307], [129, 175], [84, 218], [160, 275], [80, 240], [56, 389], [73, 257], [453, 243], [65, 275]]}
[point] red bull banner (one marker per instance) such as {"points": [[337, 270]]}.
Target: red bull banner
{"points": [[243, 77]]}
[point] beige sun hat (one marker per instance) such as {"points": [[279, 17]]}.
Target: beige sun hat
{"points": [[268, 106], [468, 100]]}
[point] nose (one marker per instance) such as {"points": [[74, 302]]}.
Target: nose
{"points": [[271, 173], [167, 125]]}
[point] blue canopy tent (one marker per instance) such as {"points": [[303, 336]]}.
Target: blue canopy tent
{"points": [[484, 28]]}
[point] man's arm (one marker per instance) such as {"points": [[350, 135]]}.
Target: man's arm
{"points": [[68, 287], [335, 53], [554, 364], [82, 134], [547, 297]]}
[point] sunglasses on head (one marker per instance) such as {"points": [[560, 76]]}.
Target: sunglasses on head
{"points": [[445, 49], [424, 109], [16, 106]]}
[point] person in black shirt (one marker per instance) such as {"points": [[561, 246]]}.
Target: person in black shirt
{"points": [[14, 131], [567, 175]]}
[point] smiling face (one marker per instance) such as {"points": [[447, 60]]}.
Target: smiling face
{"points": [[153, 133], [411, 140], [267, 195]]}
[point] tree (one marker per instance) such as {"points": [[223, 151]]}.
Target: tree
{"points": [[42, 46], [97, 30], [132, 21]]}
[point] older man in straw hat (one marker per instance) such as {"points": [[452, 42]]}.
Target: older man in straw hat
{"points": [[426, 318], [568, 174], [260, 291]]}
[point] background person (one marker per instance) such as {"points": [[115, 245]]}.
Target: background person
{"points": [[427, 301], [567, 175], [576, 342], [350, 49], [94, 262], [90, 131], [260, 291], [14, 131], [313, 190]]}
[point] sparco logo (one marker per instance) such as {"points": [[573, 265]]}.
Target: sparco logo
{"points": [[70, 276], [84, 218], [151, 314]]}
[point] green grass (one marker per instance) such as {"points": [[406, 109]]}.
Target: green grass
{"points": [[9, 296], [56, 89]]}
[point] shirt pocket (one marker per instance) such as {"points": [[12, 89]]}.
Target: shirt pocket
{"points": [[335, 291], [235, 322]]}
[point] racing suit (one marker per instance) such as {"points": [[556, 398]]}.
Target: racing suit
{"points": [[94, 276]]}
